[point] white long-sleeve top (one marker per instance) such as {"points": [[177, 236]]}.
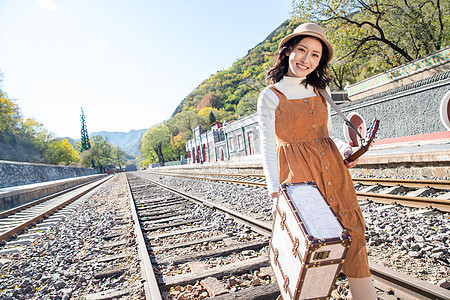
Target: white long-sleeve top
{"points": [[268, 102]]}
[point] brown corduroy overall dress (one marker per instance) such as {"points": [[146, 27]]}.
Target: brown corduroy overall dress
{"points": [[307, 153]]}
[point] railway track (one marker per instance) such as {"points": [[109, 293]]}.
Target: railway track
{"points": [[15, 220], [434, 194], [186, 251]]}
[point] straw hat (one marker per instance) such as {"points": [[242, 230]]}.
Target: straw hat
{"points": [[309, 29]]}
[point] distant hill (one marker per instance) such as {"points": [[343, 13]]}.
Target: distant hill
{"points": [[127, 141]]}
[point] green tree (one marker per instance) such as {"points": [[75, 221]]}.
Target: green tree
{"points": [[155, 140], [102, 155], [120, 157], [247, 105], [85, 144], [183, 121], [372, 36], [211, 117]]}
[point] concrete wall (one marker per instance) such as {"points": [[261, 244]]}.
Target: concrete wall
{"points": [[416, 70], [18, 173], [413, 109], [18, 195]]}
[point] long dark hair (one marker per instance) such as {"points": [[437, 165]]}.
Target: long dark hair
{"points": [[319, 78]]}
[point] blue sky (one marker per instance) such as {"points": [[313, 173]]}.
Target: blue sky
{"points": [[128, 63]]}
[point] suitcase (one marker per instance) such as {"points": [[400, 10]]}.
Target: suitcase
{"points": [[308, 243]]}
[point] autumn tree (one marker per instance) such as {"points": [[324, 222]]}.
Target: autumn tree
{"points": [[60, 152], [178, 144], [10, 119]]}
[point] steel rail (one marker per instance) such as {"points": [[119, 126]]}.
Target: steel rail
{"points": [[404, 286], [233, 181], [149, 281], [211, 174], [435, 184], [420, 202], [22, 225]]}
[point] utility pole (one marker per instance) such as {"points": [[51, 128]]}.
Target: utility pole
{"points": [[85, 144]]}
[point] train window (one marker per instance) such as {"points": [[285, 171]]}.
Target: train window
{"points": [[445, 110], [360, 124]]}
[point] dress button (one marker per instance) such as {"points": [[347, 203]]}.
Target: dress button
{"points": [[313, 125], [326, 167], [323, 153], [331, 199], [311, 111], [306, 100], [329, 182], [317, 140]]}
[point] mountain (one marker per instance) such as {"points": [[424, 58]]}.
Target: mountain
{"points": [[127, 141]]}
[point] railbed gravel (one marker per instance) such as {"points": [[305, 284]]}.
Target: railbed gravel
{"points": [[408, 240], [62, 263]]}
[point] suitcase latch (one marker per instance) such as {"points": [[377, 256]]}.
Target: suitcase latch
{"points": [[275, 257], [295, 247], [286, 283], [320, 255], [283, 220]]}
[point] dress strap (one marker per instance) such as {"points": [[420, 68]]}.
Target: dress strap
{"points": [[277, 92]]}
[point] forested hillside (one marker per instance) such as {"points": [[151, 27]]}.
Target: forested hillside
{"points": [[235, 90]]}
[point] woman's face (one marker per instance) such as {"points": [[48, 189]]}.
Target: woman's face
{"points": [[304, 57]]}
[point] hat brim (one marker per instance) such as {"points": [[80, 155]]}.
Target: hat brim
{"points": [[309, 33]]}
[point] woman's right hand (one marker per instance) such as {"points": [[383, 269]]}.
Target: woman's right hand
{"points": [[274, 197]]}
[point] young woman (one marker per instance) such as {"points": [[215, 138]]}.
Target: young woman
{"points": [[298, 143]]}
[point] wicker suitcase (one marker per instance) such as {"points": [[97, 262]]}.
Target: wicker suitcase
{"points": [[308, 243]]}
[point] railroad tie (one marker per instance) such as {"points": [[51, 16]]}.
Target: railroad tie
{"points": [[109, 273], [108, 294], [213, 286]]}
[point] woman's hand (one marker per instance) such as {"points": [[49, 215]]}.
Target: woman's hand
{"points": [[349, 164], [274, 197]]}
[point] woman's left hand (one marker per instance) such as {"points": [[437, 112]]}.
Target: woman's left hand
{"points": [[349, 164]]}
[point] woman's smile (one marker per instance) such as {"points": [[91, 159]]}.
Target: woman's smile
{"points": [[304, 57]]}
